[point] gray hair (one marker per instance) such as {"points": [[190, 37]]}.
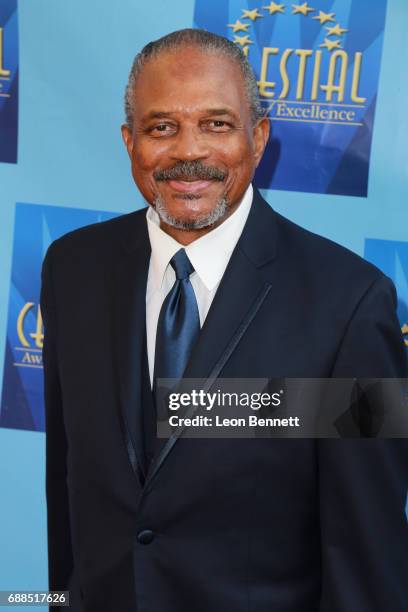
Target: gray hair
{"points": [[206, 41]]}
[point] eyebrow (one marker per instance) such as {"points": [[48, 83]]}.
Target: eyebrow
{"points": [[210, 112]]}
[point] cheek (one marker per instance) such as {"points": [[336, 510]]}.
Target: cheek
{"points": [[148, 156], [141, 160], [241, 163], [241, 167], [239, 153], [143, 164]]}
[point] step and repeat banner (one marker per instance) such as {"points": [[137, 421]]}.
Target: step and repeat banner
{"points": [[318, 67], [331, 77], [8, 81]]}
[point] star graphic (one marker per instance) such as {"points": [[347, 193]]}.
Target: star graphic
{"points": [[252, 15], [302, 9], [239, 27], [404, 330], [331, 44], [335, 31], [324, 17], [242, 40], [275, 8]]}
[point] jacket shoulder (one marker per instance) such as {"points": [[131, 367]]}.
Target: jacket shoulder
{"points": [[99, 237], [322, 255]]}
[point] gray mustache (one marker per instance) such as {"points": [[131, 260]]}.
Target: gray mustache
{"points": [[190, 170]]}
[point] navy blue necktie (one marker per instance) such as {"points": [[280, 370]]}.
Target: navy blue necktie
{"points": [[179, 323]]}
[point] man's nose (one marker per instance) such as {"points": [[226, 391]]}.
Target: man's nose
{"points": [[190, 143]]}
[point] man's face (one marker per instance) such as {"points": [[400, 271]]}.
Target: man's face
{"points": [[193, 147]]}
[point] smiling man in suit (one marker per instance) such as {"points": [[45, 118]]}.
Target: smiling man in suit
{"points": [[211, 282]]}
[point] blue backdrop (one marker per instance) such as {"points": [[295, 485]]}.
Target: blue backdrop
{"points": [[70, 66]]}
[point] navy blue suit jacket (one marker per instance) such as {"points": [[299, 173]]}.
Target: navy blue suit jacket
{"points": [[258, 525]]}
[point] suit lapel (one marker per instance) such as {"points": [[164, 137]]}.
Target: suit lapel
{"points": [[242, 291], [129, 322], [232, 310]]}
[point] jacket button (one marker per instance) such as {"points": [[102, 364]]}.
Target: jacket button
{"points": [[146, 536]]}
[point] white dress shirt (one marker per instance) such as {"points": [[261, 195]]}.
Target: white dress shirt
{"points": [[209, 256]]}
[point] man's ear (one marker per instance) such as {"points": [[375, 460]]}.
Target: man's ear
{"points": [[127, 138], [261, 137]]}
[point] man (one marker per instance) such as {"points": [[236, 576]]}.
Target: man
{"points": [[211, 282]]}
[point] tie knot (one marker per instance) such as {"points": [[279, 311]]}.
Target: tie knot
{"points": [[181, 265]]}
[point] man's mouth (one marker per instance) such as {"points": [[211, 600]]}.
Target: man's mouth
{"points": [[189, 185]]}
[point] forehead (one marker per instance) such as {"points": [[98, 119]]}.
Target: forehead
{"points": [[188, 79]]}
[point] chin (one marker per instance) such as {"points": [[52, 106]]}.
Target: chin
{"points": [[195, 221]]}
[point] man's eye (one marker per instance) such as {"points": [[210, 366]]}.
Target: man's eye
{"points": [[218, 125], [161, 129]]}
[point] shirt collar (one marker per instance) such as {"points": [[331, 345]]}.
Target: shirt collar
{"points": [[219, 243]]}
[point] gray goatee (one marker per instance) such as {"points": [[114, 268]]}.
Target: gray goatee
{"points": [[191, 224]]}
